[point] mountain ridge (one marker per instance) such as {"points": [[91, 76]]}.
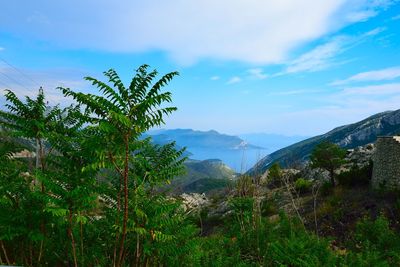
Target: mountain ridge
{"points": [[195, 138], [347, 136]]}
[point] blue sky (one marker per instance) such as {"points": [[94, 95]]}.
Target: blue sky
{"points": [[289, 67]]}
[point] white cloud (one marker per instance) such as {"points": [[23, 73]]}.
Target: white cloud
{"points": [[371, 76], [319, 58], [234, 79], [377, 90], [215, 78], [375, 31], [370, 9], [257, 73], [396, 17], [1, 48], [254, 31], [325, 55]]}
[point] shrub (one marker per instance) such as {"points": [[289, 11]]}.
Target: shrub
{"points": [[268, 207], [375, 244], [326, 188], [302, 185], [274, 175], [356, 176], [291, 245]]}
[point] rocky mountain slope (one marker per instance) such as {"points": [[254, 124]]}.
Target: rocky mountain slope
{"points": [[347, 136]]}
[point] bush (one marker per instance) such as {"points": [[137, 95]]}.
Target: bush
{"points": [[356, 176], [326, 188], [268, 208], [375, 244], [302, 185], [291, 245], [274, 175]]}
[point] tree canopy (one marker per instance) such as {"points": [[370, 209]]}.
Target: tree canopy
{"points": [[328, 156]]}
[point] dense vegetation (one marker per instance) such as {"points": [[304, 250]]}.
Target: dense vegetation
{"points": [[89, 196]]}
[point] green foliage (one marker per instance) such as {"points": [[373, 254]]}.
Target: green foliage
{"points": [[274, 175], [302, 185], [79, 208], [91, 196], [356, 176], [117, 119], [328, 156], [326, 188], [299, 249], [375, 244], [268, 207], [245, 186]]}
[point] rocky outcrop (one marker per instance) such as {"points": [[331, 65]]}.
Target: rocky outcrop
{"points": [[194, 201], [360, 156]]}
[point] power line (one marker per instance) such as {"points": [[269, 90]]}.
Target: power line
{"points": [[20, 72], [15, 81], [4, 84]]}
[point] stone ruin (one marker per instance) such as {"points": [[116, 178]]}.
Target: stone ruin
{"points": [[386, 159]]}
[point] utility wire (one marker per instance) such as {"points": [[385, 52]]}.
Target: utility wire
{"points": [[20, 72], [4, 84], [15, 81]]}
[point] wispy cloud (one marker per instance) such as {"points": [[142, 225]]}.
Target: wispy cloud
{"points": [[234, 79], [1, 48], [396, 17], [374, 31], [257, 73], [371, 76], [255, 31], [319, 58], [215, 78], [370, 9], [325, 55], [377, 90]]}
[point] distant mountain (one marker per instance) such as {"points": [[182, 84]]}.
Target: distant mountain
{"points": [[205, 139], [271, 142], [347, 136], [203, 176], [201, 145]]}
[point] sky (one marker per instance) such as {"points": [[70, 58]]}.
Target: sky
{"points": [[291, 67]]}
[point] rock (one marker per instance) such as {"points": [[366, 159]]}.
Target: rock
{"points": [[314, 174], [360, 156], [194, 200]]}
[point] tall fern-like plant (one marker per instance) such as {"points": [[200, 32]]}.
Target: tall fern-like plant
{"points": [[120, 115], [32, 120]]}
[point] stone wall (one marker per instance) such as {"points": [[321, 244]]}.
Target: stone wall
{"points": [[386, 170]]}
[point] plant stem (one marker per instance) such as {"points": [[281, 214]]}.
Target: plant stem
{"points": [[71, 235], [125, 220], [5, 252]]}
